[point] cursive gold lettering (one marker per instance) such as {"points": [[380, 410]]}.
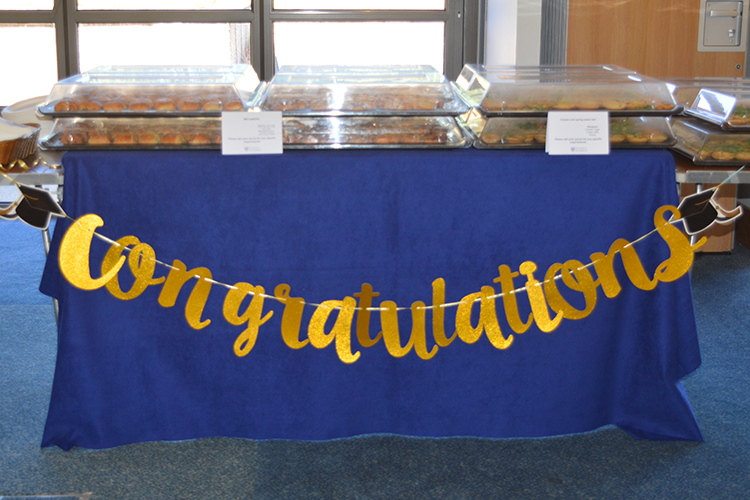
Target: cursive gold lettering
{"points": [[74, 254], [178, 276], [291, 319], [246, 340], [509, 300], [363, 316], [536, 297], [341, 330], [142, 263], [576, 277]]}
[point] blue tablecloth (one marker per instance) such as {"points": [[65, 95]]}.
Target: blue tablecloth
{"points": [[326, 222]]}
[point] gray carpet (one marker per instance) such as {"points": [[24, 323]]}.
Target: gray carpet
{"points": [[605, 464]]}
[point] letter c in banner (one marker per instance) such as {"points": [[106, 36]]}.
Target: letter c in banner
{"points": [[74, 254]]}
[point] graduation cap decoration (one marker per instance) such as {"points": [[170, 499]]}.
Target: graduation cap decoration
{"points": [[35, 207], [699, 211]]}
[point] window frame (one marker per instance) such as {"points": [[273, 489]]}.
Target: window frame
{"points": [[464, 27]]}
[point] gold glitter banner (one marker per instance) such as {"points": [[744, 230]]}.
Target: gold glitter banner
{"points": [[548, 307]]}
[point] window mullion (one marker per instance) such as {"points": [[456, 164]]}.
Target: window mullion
{"points": [[352, 15], [159, 16]]}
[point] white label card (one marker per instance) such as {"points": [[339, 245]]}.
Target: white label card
{"points": [[245, 133], [577, 133]]}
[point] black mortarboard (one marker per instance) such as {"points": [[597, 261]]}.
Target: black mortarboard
{"points": [[37, 206], [699, 211]]}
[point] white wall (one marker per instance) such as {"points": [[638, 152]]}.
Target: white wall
{"points": [[514, 30]]}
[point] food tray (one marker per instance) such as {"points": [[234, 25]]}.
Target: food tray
{"points": [[116, 91], [329, 132], [707, 144], [498, 132], [134, 133], [534, 91], [307, 91], [728, 108], [17, 141]]}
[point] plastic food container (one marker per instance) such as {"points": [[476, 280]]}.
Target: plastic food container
{"points": [[707, 144], [134, 133], [497, 132], [361, 91], [369, 132], [727, 108], [685, 90], [534, 91], [112, 91]]}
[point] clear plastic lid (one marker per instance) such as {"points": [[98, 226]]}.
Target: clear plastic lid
{"points": [[685, 90], [473, 71], [502, 132], [537, 90], [134, 133], [371, 132], [728, 108], [360, 71], [707, 144], [365, 91], [151, 90]]}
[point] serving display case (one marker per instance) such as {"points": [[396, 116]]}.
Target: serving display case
{"points": [[497, 132], [134, 133], [112, 91], [298, 133], [361, 91], [685, 90], [534, 91], [728, 108], [708, 144], [334, 132]]}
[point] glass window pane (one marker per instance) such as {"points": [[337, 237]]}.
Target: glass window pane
{"points": [[164, 5], [359, 43], [27, 4], [30, 72], [177, 44], [359, 4]]}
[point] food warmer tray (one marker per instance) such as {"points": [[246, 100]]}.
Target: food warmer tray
{"points": [[122, 91]]}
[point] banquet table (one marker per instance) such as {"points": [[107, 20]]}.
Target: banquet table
{"points": [[379, 226]]}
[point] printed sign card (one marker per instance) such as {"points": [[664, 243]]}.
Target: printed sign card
{"points": [[577, 133], [251, 133]]}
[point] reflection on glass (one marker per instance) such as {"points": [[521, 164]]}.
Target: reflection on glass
{"points": [[178, 44], [163, 4], [359, 4], [30, 72], [363, 43], [27, 4]]}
